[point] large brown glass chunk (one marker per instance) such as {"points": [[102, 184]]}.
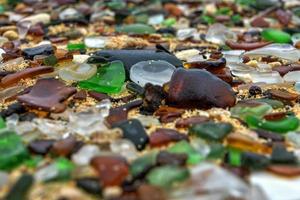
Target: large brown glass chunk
{"points": [[47, 95], [196, 88]]}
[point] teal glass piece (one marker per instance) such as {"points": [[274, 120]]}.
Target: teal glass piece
{"points": [[109, 79], [166, 176], [50, 60], [272, 102], [141, 163], [194, 157], [241, 111], [211, 130], [137, 29]]}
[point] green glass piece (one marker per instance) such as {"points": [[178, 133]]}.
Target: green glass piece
{"points": [[142, 163], [234, 157], [138, 29], [75, 46], [272, 102], [65, 168], [208, 19], [289, 123], [2, 9], [33, 161], [2, 123], [166, 176], [116, 4], [211, 130], [50, 60], [108, 79], [141, 18], [184, 147], [20, 189], [12, 150], [241, 111], [275, 35], [217, 151], [169, 22], [236, 18], [224, 11]]}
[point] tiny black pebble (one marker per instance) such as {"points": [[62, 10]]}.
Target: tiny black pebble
{"points": [[255, 90]]}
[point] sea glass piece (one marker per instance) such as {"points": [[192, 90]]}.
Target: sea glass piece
{"points": [[246, 143], [125, 148], [295, 38], [183, 34], [143, 163], [85, 154], [184, 147], [2, 123], [276, 36], [108, 79], [233, 56], [138, 29], [283, 51], [279, 126], [77, 72], [293, 76], [38, 18], [266, 77], [96, 116], [156, 19], [76, 46], [10, 92], [95, 41], [241, 111], [11, 64], [21, 187], [218, 34], [12, 150], [23, 28], [166, 176], [155, 72], [211, 130], [69, 13]]}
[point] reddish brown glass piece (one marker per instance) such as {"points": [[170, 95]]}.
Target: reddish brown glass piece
{"points": [[190, 121], [196, 88], [246, 46], [47, 95], [163, 136], [112, 170], [12, 79]]}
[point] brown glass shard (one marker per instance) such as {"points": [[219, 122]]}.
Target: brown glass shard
{"points": [[282, 95], [120, 113], [246, 46], [285, 170], [26, 73], [112, 170], [190, 121], [196, 88], [168, 114], [47, 95], [163, 136]]}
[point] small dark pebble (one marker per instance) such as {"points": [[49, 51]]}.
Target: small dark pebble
{"points": [[255, 90], [17, 108], [281, 155], [135, 88], [90, 185], [269, 135], [40, 146], [20, 188], [134, 131]]}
